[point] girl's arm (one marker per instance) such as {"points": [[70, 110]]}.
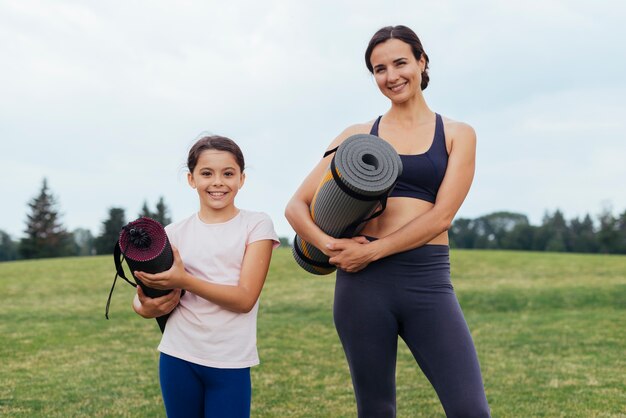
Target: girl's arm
{"points": [[298, 212], [154, 307], [240, 298], [354, 256]]}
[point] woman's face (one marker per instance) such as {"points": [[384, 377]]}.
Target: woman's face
{"points": [[396, 71]]}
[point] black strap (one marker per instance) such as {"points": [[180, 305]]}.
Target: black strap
{"points": [[330, 151], [350, 230], [309, 260], [118, 257]]}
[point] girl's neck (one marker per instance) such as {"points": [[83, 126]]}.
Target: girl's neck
{"points": [[217, 216]]}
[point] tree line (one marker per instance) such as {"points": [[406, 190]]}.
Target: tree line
{"points": [[45, 235], [512, 231]]}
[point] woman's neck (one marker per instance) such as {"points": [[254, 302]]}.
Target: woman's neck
{"points": [[411, 112]]}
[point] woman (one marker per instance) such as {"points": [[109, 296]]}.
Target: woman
{"points": [[394, 280]]}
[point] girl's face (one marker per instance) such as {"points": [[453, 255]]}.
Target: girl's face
{"points": [[217, 178], [396, 71]]}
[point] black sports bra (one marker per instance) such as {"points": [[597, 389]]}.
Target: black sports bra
{"points": [[422, 174]]}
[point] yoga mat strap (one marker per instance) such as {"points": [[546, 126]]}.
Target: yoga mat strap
{"points": [[350, 230], [117, 259], [312, 262], [349, 191], [382, 198], [330, 151]]}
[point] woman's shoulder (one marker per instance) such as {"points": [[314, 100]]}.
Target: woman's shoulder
{"points": [[357, 128], [457, 129]]}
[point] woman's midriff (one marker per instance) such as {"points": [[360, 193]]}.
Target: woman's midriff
{"points": [[399, 212]]}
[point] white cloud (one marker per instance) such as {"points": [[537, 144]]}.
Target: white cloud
{"points": [[95, 95]]}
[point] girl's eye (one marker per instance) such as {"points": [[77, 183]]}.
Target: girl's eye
{"points": [[205, 173], [229, 174]]}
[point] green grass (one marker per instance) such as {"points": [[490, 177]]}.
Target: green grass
{"points": [[549, 329]]}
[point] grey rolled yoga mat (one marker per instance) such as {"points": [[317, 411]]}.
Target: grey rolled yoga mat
{"points": [[358, 181]]}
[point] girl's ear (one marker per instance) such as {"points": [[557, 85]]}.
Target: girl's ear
{"points": [[191, 181], [242, 180]]}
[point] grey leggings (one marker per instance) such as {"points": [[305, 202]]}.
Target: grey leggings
{"points": [[408, 295]]}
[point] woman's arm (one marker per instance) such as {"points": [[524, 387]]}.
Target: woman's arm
{"points": [[298, 212], [354, 256], [240, 298]]}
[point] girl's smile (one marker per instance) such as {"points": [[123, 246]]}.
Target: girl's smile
{"points": [[217, 178]]}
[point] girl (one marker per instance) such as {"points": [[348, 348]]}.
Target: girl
{"points": [[221, 258], [395, 279]]}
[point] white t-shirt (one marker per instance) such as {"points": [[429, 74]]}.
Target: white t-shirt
{"points": [[200, 331]]}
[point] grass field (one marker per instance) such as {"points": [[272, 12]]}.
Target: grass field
{"points": [[549, 328]]}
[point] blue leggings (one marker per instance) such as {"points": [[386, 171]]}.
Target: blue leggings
{"points": [[409, 295], [191, 390]]}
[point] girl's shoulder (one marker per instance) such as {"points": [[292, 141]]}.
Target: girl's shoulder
{"points": [[258, 225], [251, 217]]}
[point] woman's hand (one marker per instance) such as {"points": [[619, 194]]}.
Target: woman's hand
{"points": [[154, 307], [351, 255], [174, 278]]}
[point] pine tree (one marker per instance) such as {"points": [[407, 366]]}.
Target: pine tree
{"points": [[45, 234], [145, 211], [111, 229], [161, 213]]}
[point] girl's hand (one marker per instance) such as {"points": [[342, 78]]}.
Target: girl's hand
{"points": [[174, 278], [154, 307], [351, 255]]}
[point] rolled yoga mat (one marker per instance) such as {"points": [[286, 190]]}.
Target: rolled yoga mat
{"points": [[144, 245], [360, 177]]}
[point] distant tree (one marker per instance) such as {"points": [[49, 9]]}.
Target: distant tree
{"points": [[284, 242], [8, 247], [45, 234], [500, 224], [162, 213], [462, 234], [582, 238], [145, 210], [111, 228], [553, 233], [620, 248], [84, 241], [608, 232], [521, 237]]}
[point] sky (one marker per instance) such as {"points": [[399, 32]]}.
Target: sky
{"points": [[104, 99]]}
